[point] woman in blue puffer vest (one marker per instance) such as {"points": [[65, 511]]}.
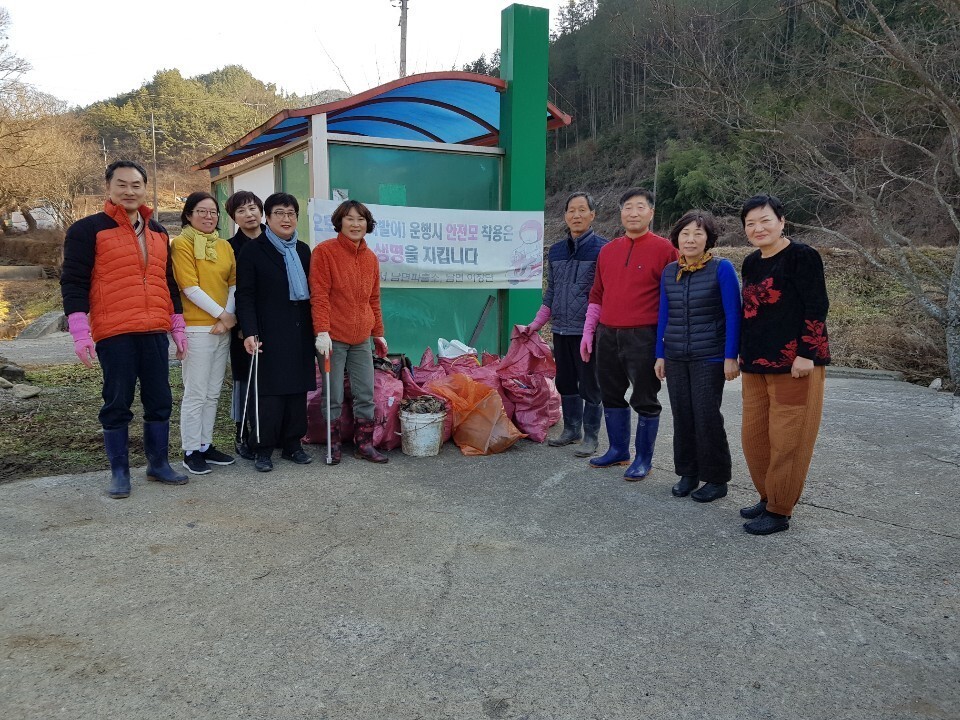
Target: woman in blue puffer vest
{"points": [[698, 335]]}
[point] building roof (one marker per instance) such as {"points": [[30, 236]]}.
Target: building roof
{"points": [[442, 107]]}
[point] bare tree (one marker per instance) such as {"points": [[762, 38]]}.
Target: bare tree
{"points": [[865, 118], [44, 156]]}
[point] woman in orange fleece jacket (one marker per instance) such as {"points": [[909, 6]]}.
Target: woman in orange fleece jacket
{"points": [[345, 301]]}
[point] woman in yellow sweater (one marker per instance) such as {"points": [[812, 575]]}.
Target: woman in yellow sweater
{"points": [[206, 271]]}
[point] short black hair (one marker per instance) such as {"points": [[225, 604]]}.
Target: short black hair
{"points": [[759, 201], [634, 192], [345, 207], [585, 195], [117, 164], [194, 199], [239, 199], [703, 220], [280, 200]]}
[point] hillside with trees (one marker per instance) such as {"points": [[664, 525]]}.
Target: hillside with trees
{"points": [[849, 110]]}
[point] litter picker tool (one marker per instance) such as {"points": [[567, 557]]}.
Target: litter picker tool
{"points": [[324, 360], [326, 391], [252, 376]]}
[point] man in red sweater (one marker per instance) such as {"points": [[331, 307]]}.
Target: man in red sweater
{"points": [[623, 308]]}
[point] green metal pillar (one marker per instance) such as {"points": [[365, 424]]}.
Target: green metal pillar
{"points": [[523, 126]]}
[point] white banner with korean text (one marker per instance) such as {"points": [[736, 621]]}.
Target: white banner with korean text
{"points": [[433, 247]]}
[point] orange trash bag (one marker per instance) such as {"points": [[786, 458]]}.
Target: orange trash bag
{"points": [[480, 424]]}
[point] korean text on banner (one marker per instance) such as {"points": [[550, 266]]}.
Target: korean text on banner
{"points": [[434, 247]]}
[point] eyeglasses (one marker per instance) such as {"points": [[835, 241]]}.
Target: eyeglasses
{"points": [[290, 214], [206, 213]]}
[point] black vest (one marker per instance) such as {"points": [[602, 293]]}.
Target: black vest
{"points": [[696, 327]]}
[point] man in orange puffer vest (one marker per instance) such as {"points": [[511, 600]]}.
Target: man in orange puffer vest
{"points": [[116, 268]]}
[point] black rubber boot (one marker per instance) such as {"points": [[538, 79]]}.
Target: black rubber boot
{"points": [[709, 492], [156, 441], [117, 446], [572, 406], [687, 484], [592, 417]]}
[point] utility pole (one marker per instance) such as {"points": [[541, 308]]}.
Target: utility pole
{"points": [[153, 134], [104, 143], [403, 38]]}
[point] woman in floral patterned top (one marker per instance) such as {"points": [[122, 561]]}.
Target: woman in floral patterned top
{"points": [[783, 351]]}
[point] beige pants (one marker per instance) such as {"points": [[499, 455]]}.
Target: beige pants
{"points": [[781, 420], [203, 371]]}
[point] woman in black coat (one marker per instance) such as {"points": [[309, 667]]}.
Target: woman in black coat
{"points": [[246, 210], [273, 305]]}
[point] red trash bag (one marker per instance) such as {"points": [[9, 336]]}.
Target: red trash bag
{"points": [[316, 425], [427, 370], [387, 394], [480, 426], [537, 404], [527, 355], [412, 390]]}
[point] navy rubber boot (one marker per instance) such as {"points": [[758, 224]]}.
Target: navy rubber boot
{"points": [[646, 438], [618, 433], [572, 406], [592, 416], [116, 444], [156, 441]]}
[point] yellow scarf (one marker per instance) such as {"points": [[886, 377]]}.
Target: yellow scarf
{"points": [[204, 244], [684, 265]]}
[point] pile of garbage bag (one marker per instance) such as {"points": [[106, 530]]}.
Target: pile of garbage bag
{"points": [[490, 402]]}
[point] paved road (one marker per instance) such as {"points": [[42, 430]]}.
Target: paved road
{"points": [[517, 586]]}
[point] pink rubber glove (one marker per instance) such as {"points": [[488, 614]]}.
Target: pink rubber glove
{"points": [[380, 346], [83, 343], [178, 329], [589, 328], [543, 314]]}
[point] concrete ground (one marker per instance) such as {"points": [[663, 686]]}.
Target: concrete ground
{"points": [[522, 585]]}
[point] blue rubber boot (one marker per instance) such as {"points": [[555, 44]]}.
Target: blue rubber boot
{"points": [[646, 438], [117, 446], [156, 441], [618, 433]]}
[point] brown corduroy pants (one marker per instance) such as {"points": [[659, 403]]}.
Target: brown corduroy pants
{"points": [[781, 419]]}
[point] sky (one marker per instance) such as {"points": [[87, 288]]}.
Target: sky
{"points": [[79, 54]]}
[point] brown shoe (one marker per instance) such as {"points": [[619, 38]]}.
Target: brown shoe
{"points": [[363, 439]]}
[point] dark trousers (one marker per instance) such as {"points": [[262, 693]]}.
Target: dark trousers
{"points": [[283, 422], [626, 357], [700, 445], [574, 376], [125, 359]]}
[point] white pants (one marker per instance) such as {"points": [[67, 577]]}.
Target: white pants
{"points": [[203, 371]]}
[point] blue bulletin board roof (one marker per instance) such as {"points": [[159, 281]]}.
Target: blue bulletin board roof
{"points": [[442, 107]]}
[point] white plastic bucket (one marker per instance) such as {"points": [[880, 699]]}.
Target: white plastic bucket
{"points": [[421, 434]]}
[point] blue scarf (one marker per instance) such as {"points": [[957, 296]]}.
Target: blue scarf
{"points": [[296, 279]]}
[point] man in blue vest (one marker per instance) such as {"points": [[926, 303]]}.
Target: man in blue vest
{"points": [[571, 265]]}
